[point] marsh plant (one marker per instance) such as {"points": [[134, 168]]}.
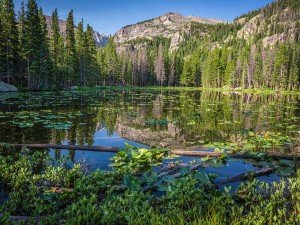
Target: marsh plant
{"points": [[41, 191]]}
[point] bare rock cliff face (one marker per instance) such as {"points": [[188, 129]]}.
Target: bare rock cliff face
{"points": [[257, 25], [170, 25]]}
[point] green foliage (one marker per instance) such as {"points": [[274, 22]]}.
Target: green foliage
{"points": [[268, 141], [98, 198], [136, 159]]}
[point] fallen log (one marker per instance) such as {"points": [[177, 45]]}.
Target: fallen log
{"points": [[246, 176], [178, 152], [171, 171], [235, 156], [70, 147]]}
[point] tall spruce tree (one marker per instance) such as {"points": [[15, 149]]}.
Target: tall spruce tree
{"points": [[1, 44], [294, 77], [22, 44], [45, 65], [33, 33], [90, 51], [9, 40], [55, 47], [81, 53], [71, 58]]}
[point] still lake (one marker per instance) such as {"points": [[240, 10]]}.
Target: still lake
{"points": [[144, 118]]}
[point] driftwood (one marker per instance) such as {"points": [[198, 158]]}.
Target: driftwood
{"points": [[178, 152]]}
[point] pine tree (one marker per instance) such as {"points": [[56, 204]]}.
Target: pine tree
{"points": [[70, 51], [22, 44], [81, 53], [229, 72], [1, 45], [281, 65], [33, 36], [112, 62], [91, 62], [186, 76], [294, 77], [258, 72], [9, 40], [45, 65], [55, 47]]}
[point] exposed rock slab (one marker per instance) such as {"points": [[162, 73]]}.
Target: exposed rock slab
{"points": [[4, 87]]}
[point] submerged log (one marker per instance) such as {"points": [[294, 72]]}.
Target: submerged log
{"points": [[175, 176], [178, 152], [247, 176]]}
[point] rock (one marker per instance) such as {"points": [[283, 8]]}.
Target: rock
{"points": [[248, 30], [276, 38], [4, 87], [175, 41], [74, 88]]}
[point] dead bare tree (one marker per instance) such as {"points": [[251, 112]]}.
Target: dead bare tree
{"points": [[159, 66]]}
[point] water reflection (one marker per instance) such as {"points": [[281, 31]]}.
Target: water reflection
{"points": [[162, 119]]}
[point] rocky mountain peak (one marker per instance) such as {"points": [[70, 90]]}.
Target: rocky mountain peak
{"points": [[100, 39], [170, 25]]}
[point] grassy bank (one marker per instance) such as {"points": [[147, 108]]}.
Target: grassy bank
{"points": [[41, 191]]}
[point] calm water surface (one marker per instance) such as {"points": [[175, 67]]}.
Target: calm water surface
{"points": [[143, 118]]}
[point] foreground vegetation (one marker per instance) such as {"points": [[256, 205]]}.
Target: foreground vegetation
{"points": [[42, 191]]}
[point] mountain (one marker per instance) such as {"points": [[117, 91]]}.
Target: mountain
{"points": [[171, 25], [259, 49], [277, 22], [100, 39]]}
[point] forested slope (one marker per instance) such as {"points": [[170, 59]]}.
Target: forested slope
{"points": [[258, 50]]}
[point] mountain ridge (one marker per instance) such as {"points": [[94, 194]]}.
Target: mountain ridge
{"points": [[170, 25]]}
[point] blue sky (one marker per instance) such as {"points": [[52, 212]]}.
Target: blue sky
{"points": [[108, 16]]}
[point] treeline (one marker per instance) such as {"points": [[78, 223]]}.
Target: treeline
{"points": [[238, 65], [244, 66], [37, 58]]}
